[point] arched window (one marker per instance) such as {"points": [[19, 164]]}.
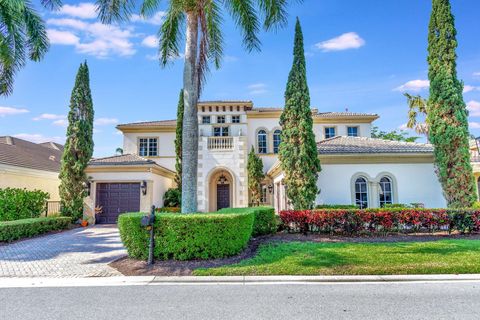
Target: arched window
{"points": [[361, 193], [276, 140], [386, 192], [262, 141]]}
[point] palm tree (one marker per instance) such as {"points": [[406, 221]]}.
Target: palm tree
{"points": [[119, 151], [417, 106], [22, 35], [204, 43]]}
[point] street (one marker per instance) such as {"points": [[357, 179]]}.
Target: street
{"points": [[384, 300]]}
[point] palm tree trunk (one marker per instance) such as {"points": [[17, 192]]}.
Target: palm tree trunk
{"points": [[190, 121]]}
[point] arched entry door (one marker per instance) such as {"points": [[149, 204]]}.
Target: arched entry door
{"points": [[221, 190]]}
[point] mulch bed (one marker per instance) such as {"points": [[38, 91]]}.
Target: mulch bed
{"points": [[132, 267]]}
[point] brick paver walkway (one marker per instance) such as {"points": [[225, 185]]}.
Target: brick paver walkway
{"points": [[82, 252]]}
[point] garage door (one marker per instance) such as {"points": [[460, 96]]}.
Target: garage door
{"points": [[116, 198]]}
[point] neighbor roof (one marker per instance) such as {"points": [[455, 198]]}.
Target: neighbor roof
{"points": [[26, 154], [353, 145], [344, 114], [121, 160], [160, 123]]}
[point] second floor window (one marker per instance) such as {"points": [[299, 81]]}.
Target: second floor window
{"points": [[220, 131], [221, 119], [329, 132], [352, 131], [206, 119], [235, 119], [276, 140], [262, 141], [148, 147]]}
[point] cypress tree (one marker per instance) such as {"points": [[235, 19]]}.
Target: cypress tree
{"points": [[447, 114], [255, 177], [178, 142], [79, 146], [298, 151]]}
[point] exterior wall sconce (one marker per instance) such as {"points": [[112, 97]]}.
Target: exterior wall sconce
{"points": [[87, 187], [143, 187], [270, 188]]}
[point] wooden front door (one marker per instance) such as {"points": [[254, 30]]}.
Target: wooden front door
{"points": [[223, 196]]}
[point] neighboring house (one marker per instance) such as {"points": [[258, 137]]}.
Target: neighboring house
{"points": [[356, 169], [24, 164]]}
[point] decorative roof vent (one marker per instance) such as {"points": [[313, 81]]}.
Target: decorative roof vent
{"points": [[52, 158]]}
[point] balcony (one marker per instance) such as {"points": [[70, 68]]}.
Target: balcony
{"points": [[220, 143]]}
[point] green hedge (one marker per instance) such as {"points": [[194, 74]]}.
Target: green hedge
{"points": [[24, 228], [187, 236], [265, 221], [18, 204]]}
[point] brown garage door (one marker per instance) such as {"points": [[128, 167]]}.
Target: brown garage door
{"points": [[116, 198]]}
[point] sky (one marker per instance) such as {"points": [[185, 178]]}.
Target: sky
{"points": [[361, 56]]}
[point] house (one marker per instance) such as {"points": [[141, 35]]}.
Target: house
{"points": [[24, 164], [356, 169]]}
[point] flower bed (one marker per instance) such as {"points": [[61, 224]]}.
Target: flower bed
{"points": [[356, 221]]}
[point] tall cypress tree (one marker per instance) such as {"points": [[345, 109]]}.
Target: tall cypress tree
{"points": [[178, 142], [298, 151], [79, 146], [255, 177], [447, 114]]}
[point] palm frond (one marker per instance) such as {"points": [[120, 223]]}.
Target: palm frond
{"points": [[37, 39], [416, 105], [114, 10], [245, 16], [51, 4], [275, 13], [214, 22], [149, 7], [170, 33]]}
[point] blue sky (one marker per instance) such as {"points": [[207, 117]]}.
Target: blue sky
{"points": [[361, 55]]}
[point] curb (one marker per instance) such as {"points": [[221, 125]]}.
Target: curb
{"points": [[233, 280]]}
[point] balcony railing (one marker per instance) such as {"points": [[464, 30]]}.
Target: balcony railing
{"points": [[220, 143]]}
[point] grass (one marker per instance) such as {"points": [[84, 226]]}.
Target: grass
{"points": [[309, 258]]}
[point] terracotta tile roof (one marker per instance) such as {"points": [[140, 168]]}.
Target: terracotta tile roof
{"points": [[26, 154], [224, 101], [352, 145], [120, 160], [344, 114], [166, 123]]}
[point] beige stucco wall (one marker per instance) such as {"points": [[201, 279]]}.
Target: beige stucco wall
{"points": [[166, 146], [17, 177]]}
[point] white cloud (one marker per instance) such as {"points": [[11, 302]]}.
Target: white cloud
{"points": [[84, 10], [474, 108], [156, 57], [346, 41], [156, 19], [468, 88], [257, 88], [105, 121], [95, 39], [474, 125], [476, 74], [9, 111], [38, 138], [49, 116], [403, 127], [228, 58], [414, 85], [150, 41], [61, 123]]}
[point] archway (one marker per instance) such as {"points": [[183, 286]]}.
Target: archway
{"points": [[221, 185]]}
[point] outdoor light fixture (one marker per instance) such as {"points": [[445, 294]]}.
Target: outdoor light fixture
{"points": [[222, 179], [270, 188], [143, 186], [86, 187]]}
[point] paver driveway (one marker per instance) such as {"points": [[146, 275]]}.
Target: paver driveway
{"points": [[82, 252]]}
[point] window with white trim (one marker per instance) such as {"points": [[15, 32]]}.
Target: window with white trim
{"points": [[262, 141], [352, 131], [386, 191], [148, 147], [205, 119], [220, 119], [235, 119], [361, 193], [277, 139], [220, 131], [329, 132]]}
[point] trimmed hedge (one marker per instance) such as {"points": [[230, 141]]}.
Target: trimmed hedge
{"points": [[265, 220], [187, 236], [25, 228], [405, 220], [18, 204]]}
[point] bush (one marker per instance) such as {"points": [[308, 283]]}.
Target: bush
{"points": [[356, 221], [24, 228], [265, 220], [336, 206], [172, 198], [18, 204], [187, 236], [168, 210]]}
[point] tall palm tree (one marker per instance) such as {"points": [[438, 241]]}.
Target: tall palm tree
{"points": [[22, 35], [417, 106], [203, 44]]}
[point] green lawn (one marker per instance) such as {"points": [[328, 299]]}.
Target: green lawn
{"points": [[308, 258]]}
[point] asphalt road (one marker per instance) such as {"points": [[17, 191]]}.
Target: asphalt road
{"points": [[452, 300]]}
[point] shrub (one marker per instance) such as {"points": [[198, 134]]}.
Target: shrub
{"points": [[355, 221], [187, 236], [24, 228], [18, 204], [265, 220], [172, 198], [168, 210]]}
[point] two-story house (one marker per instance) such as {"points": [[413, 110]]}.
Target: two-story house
{"points": [[356, 169]]}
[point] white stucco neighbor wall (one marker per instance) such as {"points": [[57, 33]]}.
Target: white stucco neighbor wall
{"points": [[364, 129], [415, 183], [166, 146]]}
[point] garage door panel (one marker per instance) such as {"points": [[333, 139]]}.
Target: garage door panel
{"points": [[116, 198]]}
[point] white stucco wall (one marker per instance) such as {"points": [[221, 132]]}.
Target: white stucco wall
{"points": [[364, 129], [166, 146], [416, 182]]}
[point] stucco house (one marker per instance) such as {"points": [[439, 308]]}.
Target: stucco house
{"points": [[24, 164], [356, 169]]}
